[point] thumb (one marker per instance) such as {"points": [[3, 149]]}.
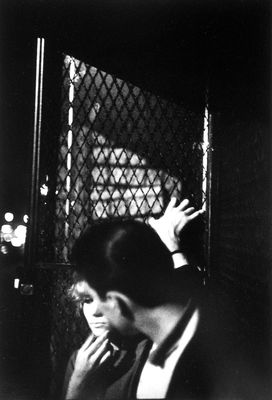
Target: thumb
{"points": [[152, 222]]}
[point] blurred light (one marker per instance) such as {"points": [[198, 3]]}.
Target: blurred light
{"points": [[16, 283], [19, 236], [4, 249], [25, 219], [7, 237], [44, 190], [16, 242], [26, 289], [20, 231], [6, 228], [8, 217]]}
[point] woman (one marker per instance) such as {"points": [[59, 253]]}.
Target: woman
{"points": [[102, 358]]}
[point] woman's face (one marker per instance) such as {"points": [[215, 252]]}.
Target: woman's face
{"points": [[97, 322]]}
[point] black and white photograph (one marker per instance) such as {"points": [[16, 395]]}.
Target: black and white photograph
{"points": [[135, 204]]}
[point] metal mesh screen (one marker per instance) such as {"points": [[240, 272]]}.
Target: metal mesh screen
{"points": [[122, 152]]}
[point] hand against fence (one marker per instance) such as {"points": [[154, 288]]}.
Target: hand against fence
{"points": [[89, 356], [173, 221]]}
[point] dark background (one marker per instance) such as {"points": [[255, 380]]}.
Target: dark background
{"points": [[176, 49], [173, 48]]}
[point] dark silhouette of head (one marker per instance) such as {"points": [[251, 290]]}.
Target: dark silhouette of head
{"points": [[127, 256]]}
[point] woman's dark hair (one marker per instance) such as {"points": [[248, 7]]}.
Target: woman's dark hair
{"points": [[127, 256]]}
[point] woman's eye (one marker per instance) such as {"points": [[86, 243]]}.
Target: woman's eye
{"points": [[87, 301]]}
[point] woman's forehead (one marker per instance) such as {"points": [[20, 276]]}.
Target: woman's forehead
{"points": [[83, 289]]}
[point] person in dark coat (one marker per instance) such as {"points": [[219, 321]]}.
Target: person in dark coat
{"points": [[131, 279]]}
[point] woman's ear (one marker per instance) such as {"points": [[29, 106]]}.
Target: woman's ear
{"points": [[119, 302]]}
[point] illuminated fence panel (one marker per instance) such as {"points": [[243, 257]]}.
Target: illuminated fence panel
{"points": [[123, 153]]}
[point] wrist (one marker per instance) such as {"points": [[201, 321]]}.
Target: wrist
{"points": [[173, 245], [179, 259], [176, 251], [79, 374]]}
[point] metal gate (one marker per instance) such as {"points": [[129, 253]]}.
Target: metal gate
{"points": [[121, 152]]}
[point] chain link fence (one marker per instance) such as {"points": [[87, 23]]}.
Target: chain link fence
{"points": [[122, 153]]}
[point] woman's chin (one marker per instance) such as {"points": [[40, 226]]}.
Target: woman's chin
{"points": [[99, 330]]}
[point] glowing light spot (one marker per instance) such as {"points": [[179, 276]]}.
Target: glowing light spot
{"points": [[4, 249], [8, 216], [25, 219], [16, 242], [7, 237], [20, 231], [44, 190], [16, 283], [6, 229], [20, 234]]}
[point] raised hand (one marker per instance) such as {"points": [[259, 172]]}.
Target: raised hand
{"points": [[89, 356], [173, 221]]}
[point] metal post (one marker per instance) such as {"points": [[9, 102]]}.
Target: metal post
{"points": [[207, 180], [35, 173]]}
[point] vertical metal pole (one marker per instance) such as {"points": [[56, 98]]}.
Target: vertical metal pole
{"points": [[207, 180], [35, 172], [209, 196], [205, 147]]}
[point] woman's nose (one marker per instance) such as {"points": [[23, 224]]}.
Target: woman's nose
{"points": [[92, 309], [97, 312]]}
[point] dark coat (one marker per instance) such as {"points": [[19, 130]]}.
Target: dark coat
{"points": [[200, 373], [192, 377]]}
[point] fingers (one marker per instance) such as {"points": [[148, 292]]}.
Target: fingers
{"points": [[172, 214], [195, 214], [151, 221], [92, 351], [100, 351], [171, 204], [90, 339], [183, 205], [105, 356], [189, 210], [96, 343]]}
